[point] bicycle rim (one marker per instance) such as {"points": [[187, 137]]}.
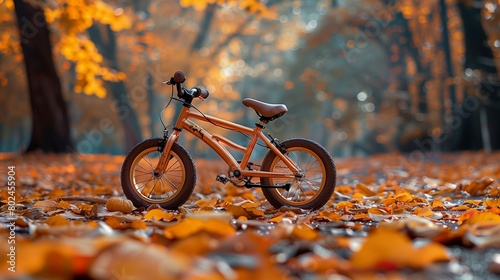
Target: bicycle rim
{"points": [[156, 189]]}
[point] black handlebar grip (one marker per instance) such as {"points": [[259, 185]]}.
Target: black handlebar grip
{"points": [[204, 94], [179, 77], [201, 93]]}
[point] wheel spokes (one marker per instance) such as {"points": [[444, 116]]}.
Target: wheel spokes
{"points": [[307, 187]]}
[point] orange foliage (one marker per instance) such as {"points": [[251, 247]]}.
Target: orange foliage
{"points": [[235, 228], [386, 249]]}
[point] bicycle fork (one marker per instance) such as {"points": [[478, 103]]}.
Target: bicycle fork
{"points": [[170, 140], [165, 154]]}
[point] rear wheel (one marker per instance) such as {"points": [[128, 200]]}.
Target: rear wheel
{"points": [[314, 188], [169, 189]]}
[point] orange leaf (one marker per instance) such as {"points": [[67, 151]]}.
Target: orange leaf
{"points": [[331, 216], [158, 214], [344, 189], [438, 205], [490, 203], [344, 205], [361, 217], [249, 196], [46, 205], [424, 212], [386, 248], [219, 227], [362, 188], [119, 204], [483, 217], [474, 203], [429, 254], [466, 216], [184, 228], [138, 224], [376, 211], [113, 222], [277, 219], [63, 205], [305, 232], [388, 201], [239, 211], [57, 220], [494, 192], [460, 208], [206, 203], [404, 197]]}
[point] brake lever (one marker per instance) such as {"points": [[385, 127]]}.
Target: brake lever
{"points": [[169, 82]]}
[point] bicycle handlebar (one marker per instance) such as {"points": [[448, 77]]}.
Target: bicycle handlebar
{"points": [[180, 78]]}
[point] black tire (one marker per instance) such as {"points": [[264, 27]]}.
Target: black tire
{"points": [[171, 190], [301, 193]]}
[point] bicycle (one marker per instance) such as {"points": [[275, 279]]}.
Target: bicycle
{"points": [[296, 172]]}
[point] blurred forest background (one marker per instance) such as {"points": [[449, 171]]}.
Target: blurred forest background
{"points": [[358, 76]]}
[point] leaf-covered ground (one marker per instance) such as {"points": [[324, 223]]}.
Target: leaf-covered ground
{"points": [[390, 217]]}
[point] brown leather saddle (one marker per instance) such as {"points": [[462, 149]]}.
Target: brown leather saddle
{"points": [[266, 111]]}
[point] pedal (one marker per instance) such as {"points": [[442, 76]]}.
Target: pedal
{"points": [[222, 178]]}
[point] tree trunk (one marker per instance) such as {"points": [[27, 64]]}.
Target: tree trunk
{"points": [[204, 28], [478, 114], [50, 125], [127, 114], [449, 74]]}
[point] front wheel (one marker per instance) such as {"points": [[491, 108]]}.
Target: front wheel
{"points": [[314, 188], [169, 189]]}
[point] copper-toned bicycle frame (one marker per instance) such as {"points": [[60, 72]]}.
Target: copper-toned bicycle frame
{"points": [[184, 123]]}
